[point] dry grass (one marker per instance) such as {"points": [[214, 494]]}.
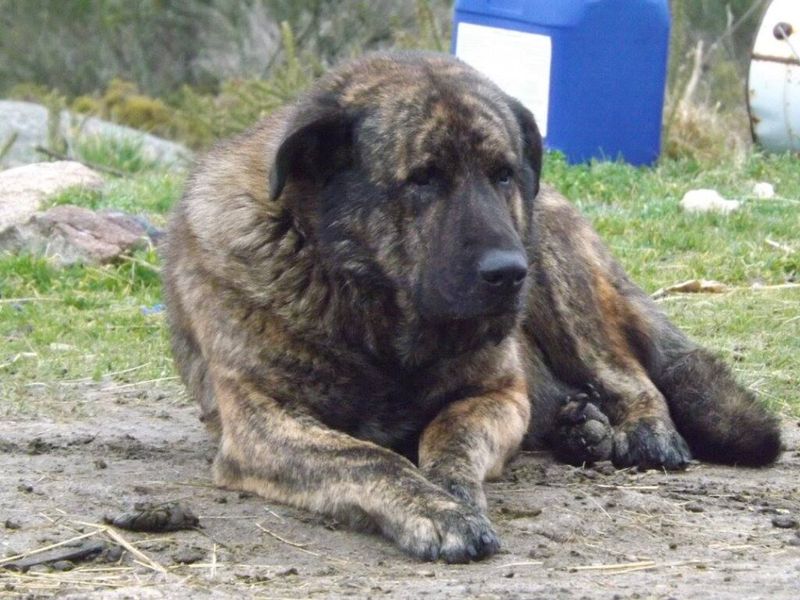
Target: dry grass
{"points": [[707, 134]]}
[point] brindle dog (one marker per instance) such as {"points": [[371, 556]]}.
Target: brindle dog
{"points": [[370, 295]]}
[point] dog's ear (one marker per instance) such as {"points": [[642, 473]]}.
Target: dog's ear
{"points": [[531, 138], [315, 148]]}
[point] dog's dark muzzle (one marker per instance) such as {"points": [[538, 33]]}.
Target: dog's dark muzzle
{"points": [[502, 272], [498, 281]]}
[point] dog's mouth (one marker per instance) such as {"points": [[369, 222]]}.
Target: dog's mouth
{"points": [[452, 320], [470, 309]]}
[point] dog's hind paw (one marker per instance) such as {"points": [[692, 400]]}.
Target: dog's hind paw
{"points": [[650, 444]]}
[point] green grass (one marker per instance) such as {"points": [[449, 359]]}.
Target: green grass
{"points": [[636, 211], [77, 323], [87, 322], [756, 332], [121, 154], [151, 193], [62, 326]]}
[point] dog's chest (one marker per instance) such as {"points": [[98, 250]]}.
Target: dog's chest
{"points": [[391, 411]]}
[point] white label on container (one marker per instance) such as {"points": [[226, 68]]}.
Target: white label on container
{"points": [[516, 61]]}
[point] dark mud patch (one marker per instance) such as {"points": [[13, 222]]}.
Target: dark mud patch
{"points": [[709, 532]]}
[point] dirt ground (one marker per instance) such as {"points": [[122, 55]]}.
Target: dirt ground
{"points": [[710, 532]]}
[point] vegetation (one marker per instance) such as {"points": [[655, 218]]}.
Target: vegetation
{"points": [[256, 54], [755, 252], [58, 326], [706, 117]]}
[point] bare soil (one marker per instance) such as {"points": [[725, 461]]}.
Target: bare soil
{"points": [[709, 532]]}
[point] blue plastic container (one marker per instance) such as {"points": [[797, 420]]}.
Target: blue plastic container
{"points": [[592, 71]]}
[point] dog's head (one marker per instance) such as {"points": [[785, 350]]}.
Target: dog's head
{"points": [[415, 174]]}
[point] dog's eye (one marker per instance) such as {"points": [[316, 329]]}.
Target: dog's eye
{"points": [[423, 176], [503, 177]]}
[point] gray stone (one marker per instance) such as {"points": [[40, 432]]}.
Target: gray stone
{"points": [[23, 189], [784, 522], [28, 122], [74, 235], [188, 556]]}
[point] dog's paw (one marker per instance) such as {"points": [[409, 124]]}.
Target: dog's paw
{"points": [[650, 444], [583, 433], [457, 534]]}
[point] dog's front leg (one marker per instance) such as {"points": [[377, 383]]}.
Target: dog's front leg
{"points": [[472, 439], [292, 458]]}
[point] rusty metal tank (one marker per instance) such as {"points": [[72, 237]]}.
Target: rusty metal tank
{"points": [[774, 79]]}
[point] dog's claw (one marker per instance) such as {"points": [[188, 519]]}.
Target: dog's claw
{"points": [[650, 444], [459, 534]]}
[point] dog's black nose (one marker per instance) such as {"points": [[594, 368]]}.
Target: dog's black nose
{"points": [[503, 269]]}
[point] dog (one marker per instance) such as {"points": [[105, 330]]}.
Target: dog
{"points": [[376, 303]]}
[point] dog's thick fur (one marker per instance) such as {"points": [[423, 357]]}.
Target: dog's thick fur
{"points": [[370, 296]]}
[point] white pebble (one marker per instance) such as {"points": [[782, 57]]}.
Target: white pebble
{"points": [[764, 189], [703, 200]]}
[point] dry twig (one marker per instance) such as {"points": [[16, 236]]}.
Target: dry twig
{"points": [[284, 540], [145, 560]]}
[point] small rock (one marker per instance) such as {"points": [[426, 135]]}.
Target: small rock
{"points": [[23, 189], [12, 524], [795, 541], [188, 556], [784, 522], [62, 565], [59, 347], [694, 507], [705, 200], [73, 235], [111, 554], [540, 552], [764, 190], [100, 464]]}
